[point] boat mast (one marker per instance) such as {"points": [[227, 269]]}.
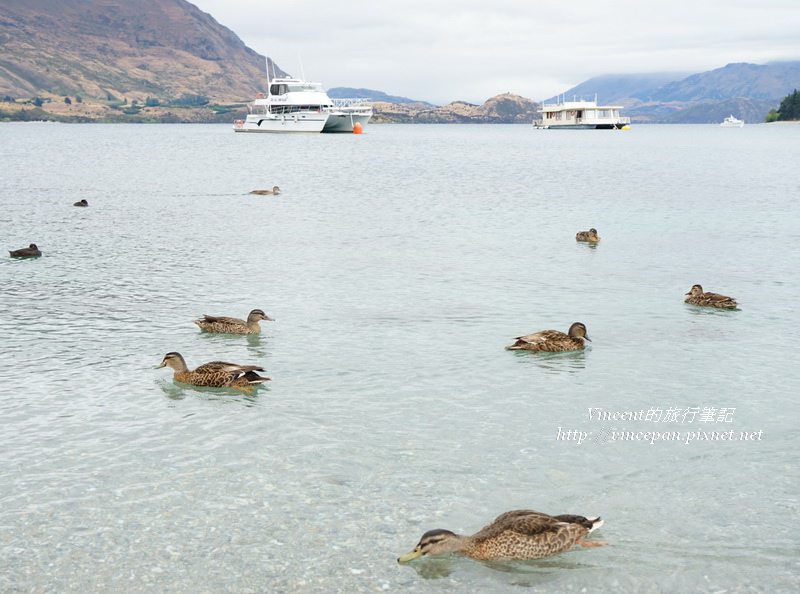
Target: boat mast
{"points": [[269, 78]]}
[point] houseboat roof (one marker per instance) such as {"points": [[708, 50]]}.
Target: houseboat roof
{"points": [[581, 104]]}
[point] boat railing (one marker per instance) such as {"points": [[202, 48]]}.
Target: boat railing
{"points": [[352, 105]]}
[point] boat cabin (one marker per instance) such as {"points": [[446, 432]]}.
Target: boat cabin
{"points": [[581, 114]]}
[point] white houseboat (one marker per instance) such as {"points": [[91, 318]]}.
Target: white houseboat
{"points": [[295, 105], [581, 115]]}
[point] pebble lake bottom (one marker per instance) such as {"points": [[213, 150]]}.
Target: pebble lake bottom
{"points": [[397, 265]]}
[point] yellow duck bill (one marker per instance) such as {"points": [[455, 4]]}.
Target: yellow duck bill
{"points": [[410, 556]]}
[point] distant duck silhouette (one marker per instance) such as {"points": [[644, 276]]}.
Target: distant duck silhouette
{"points": [[552, 340], [225, 325], [29, 252], [590, 235], [81, 202], [274, 190], [696, 296]]}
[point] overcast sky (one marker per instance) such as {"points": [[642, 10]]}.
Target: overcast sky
{"points": [[447, 50]]}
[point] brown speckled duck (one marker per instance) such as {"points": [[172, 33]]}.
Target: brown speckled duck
{"points": [[81, 202], [216, 374], [520, 534], [590, 235], [29, 252], [696, 296], [552, 340], [274, 190], [223, 325]]}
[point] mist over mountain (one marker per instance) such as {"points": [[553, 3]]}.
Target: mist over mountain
{"points": [[611, 88], [742, 80]]}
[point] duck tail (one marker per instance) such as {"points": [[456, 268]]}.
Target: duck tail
{"points": [[596, 523]]}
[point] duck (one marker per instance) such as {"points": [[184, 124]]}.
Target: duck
{"points": [[274, 190], [223, 325], [696, 296], [590, 235], [81, 202], [29, 252], [552, 340], [216, 374], [519, 534]]}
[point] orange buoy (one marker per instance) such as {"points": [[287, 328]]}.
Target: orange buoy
{"points": [[357, 129]]}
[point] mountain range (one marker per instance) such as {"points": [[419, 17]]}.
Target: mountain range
{"points": [[746, 90], [114, 53]]}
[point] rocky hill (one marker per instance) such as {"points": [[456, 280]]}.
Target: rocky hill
{"points": [[502, 109], [115, 49]]}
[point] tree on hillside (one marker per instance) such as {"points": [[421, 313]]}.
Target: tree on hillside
{"points": [[789, 108]]}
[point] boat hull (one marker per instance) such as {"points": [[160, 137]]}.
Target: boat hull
{"points": [[585, 127], [344, 122], [308, 123]]}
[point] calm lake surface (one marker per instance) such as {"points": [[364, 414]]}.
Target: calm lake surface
{"points": [[397, 265]]}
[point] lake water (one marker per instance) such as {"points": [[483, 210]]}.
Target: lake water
{"points": [[397, 265]]}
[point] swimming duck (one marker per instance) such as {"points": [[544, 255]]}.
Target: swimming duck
{"points": [[81, 202], [29, 252], [552, 340], [520, 534], [590, 235], [216, 374], [223, 325], [696, 296], [274, 190]]}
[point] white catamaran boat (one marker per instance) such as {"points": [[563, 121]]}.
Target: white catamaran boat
{"points": [[732, 122], [294, 105], [581, 115]]}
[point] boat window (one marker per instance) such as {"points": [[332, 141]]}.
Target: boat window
{"points": [[278, 89], [287, 109], [298, 88]]}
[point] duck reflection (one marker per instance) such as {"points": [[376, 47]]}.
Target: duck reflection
{"points": [[224, 396], [539, 572], [568, 361]]}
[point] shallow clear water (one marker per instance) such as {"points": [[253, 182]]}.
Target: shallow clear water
{"points": [[397, 265]]}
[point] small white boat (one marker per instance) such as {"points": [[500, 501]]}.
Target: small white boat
{"points": [[732, 122], [295, 105], [581, 115]]}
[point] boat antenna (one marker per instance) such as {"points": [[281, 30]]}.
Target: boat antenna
{"points": [[302, 73]]}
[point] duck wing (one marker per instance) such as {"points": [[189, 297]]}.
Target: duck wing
{"points": [[543, 336], [230, 368], [522, 521], [221, 320], [717, 298]]}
